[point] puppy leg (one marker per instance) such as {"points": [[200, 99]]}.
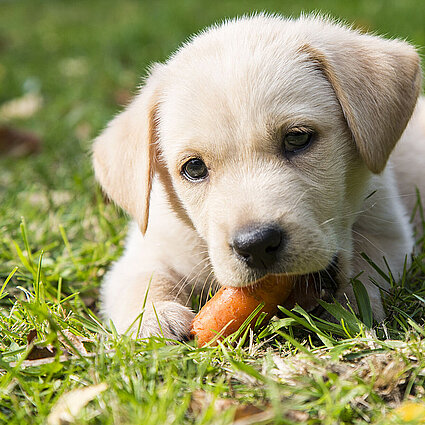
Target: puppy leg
{"points": [[164, 262], [123, 295]]}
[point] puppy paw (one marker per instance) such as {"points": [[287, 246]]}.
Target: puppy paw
{"points": [[172, 320]]}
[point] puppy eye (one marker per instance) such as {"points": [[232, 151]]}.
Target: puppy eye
{"points": [[194, 170], [296, 141]]}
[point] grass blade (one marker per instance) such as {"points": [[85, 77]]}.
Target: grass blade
{"points": [[363, 303]]}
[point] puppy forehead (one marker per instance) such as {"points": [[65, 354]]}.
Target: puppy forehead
{"points": [[233, 86]]}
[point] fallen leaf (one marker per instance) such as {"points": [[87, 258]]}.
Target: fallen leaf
{"points": [[70, 404], [201, 400], [297, 415], [21, 107], [40, 362], [76, 341], [37, 352], [244, 411], [32, 335], [17, 143], [251, 415], [63, 358], [256, 419]]}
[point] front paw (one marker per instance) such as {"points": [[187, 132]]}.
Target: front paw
{"points": [[172, 320]]}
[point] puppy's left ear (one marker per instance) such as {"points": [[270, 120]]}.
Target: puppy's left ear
{"points": [[124, 154], [377, 83]]}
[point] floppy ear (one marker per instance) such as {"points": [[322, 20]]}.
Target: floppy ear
{"points": [[124, 154], [377, 82]]}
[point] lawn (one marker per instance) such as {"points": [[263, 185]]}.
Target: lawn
{"points": [[68, 67]]}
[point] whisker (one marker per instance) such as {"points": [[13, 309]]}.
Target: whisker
{"points": [[191, 278], [299, 199], [201, 296], [187, 279], [194, 286], [368, 240]]}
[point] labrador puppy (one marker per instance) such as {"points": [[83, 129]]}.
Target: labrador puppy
{"points": [[263, 146]]}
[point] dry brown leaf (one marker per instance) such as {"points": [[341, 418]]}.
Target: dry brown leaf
{"points": [[297, 415], [70, 342], [201, 400], [256, 419], [21, 107], [17, 143], [252, 415], [39, 362], [32, 335], [37, 352], [76, 341], [70, 404], [244, 411], [61, 359]]}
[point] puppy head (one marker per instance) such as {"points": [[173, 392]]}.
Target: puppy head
{"points": [[267, 130]]}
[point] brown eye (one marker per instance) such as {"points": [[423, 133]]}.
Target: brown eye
{"points": [[296, 141], [194, 170]]}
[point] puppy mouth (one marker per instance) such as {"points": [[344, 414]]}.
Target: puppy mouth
{"points": [[310, 288]]}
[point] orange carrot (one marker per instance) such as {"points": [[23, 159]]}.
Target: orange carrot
{"points": [[226, 311]]}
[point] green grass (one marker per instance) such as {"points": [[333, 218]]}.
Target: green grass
{"points": [[57, 239]]}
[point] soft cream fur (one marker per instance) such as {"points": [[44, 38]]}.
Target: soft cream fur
{"points": [[227, 96]]}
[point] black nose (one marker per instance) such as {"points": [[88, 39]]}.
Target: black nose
{"points": [[258, 245]]}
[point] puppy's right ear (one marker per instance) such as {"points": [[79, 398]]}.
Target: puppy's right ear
{"points": [[124, 154]]}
